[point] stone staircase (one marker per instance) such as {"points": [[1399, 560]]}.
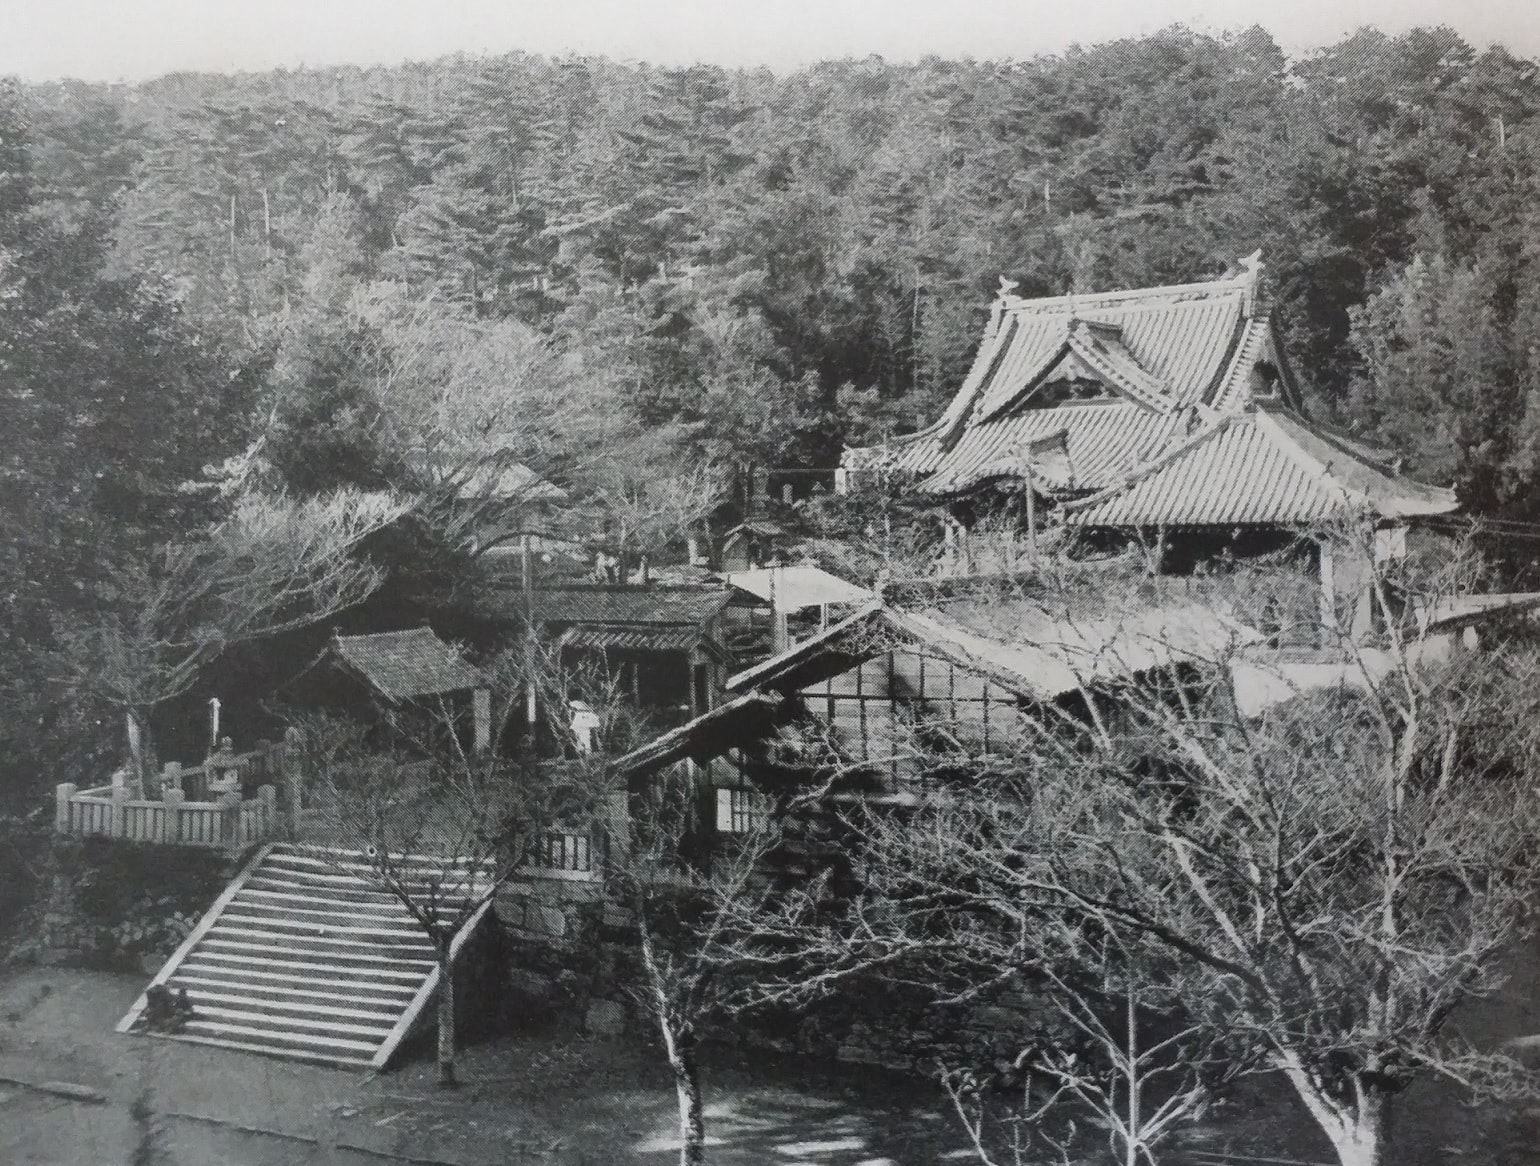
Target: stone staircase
{"points": [[301, 957]]}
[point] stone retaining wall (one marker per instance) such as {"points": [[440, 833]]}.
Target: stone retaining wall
{"points": [[572, 954], [120, 905]]}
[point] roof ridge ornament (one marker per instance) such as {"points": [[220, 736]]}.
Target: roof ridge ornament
{"points": [[1251, 270], [997, 309]]}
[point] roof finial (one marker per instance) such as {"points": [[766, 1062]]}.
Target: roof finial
{"points": [[997, 309], [1251, 267]]}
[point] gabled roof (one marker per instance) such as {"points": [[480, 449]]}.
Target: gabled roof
{"points": [[1164, 346], [403, 665], [1256, 469], [1089, 347], [1173, 358]]}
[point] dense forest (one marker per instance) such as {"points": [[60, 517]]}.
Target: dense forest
{"points": [[333, 273]]}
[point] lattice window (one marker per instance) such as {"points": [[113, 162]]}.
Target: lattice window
{"points": [[741, 811]]}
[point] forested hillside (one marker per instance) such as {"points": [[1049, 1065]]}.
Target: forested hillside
{"points": [[784, 263], [327, 280]]}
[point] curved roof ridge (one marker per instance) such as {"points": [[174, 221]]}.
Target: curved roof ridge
{"points": [[1253, 335], [1088, 301], [955, 417]]}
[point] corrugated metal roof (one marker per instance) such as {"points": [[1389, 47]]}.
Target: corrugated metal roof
{"points": [[797, 588], [617, 604], [1104, 442], [1049, 657], [1044, 657], [1258, 469], [402, 665]]}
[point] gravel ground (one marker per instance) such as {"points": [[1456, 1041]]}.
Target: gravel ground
{"points": [[536, 1097]]}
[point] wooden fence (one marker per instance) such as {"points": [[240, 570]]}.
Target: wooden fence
{"points": [[109, 812]]}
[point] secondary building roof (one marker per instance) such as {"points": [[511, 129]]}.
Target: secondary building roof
{"points": [[643, 638], [1047, 657], [797, 588], [403, 665], [1257, 469]]}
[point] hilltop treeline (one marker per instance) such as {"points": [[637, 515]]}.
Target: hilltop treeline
{"points": [[787, 262]]}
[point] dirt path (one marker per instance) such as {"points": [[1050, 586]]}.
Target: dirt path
{"points": [[541, 1099], [530, 1098]]}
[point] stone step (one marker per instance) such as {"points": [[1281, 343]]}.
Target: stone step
{"points": [[392, 931], [317, 1056], [341, 949], [300, 957], [258, 987], [307, 971], [206, 1000], [253, 896], [277, 1040]]}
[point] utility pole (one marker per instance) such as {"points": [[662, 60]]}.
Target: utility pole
{"points": [[527, 578], [1031, 520]]}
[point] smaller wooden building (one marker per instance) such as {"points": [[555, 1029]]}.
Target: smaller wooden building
{"points": [[880, 696], [409, 667], [659, 644]]}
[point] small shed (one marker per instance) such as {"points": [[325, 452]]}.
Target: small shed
{"points": [[802, 595], [408, 665], [663, 644]]}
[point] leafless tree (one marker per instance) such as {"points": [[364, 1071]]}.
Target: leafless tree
{"points": [[1333, 867], [271, 565], [438, 827], [688, 916]]}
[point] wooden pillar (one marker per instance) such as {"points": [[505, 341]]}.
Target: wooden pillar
{"points": [[63, 792], [267, 796], [293, 779], [230, 805], [481, 714], [616, 824], [1328, 596], [1031, 521], [171, 817], [115, 825]]}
